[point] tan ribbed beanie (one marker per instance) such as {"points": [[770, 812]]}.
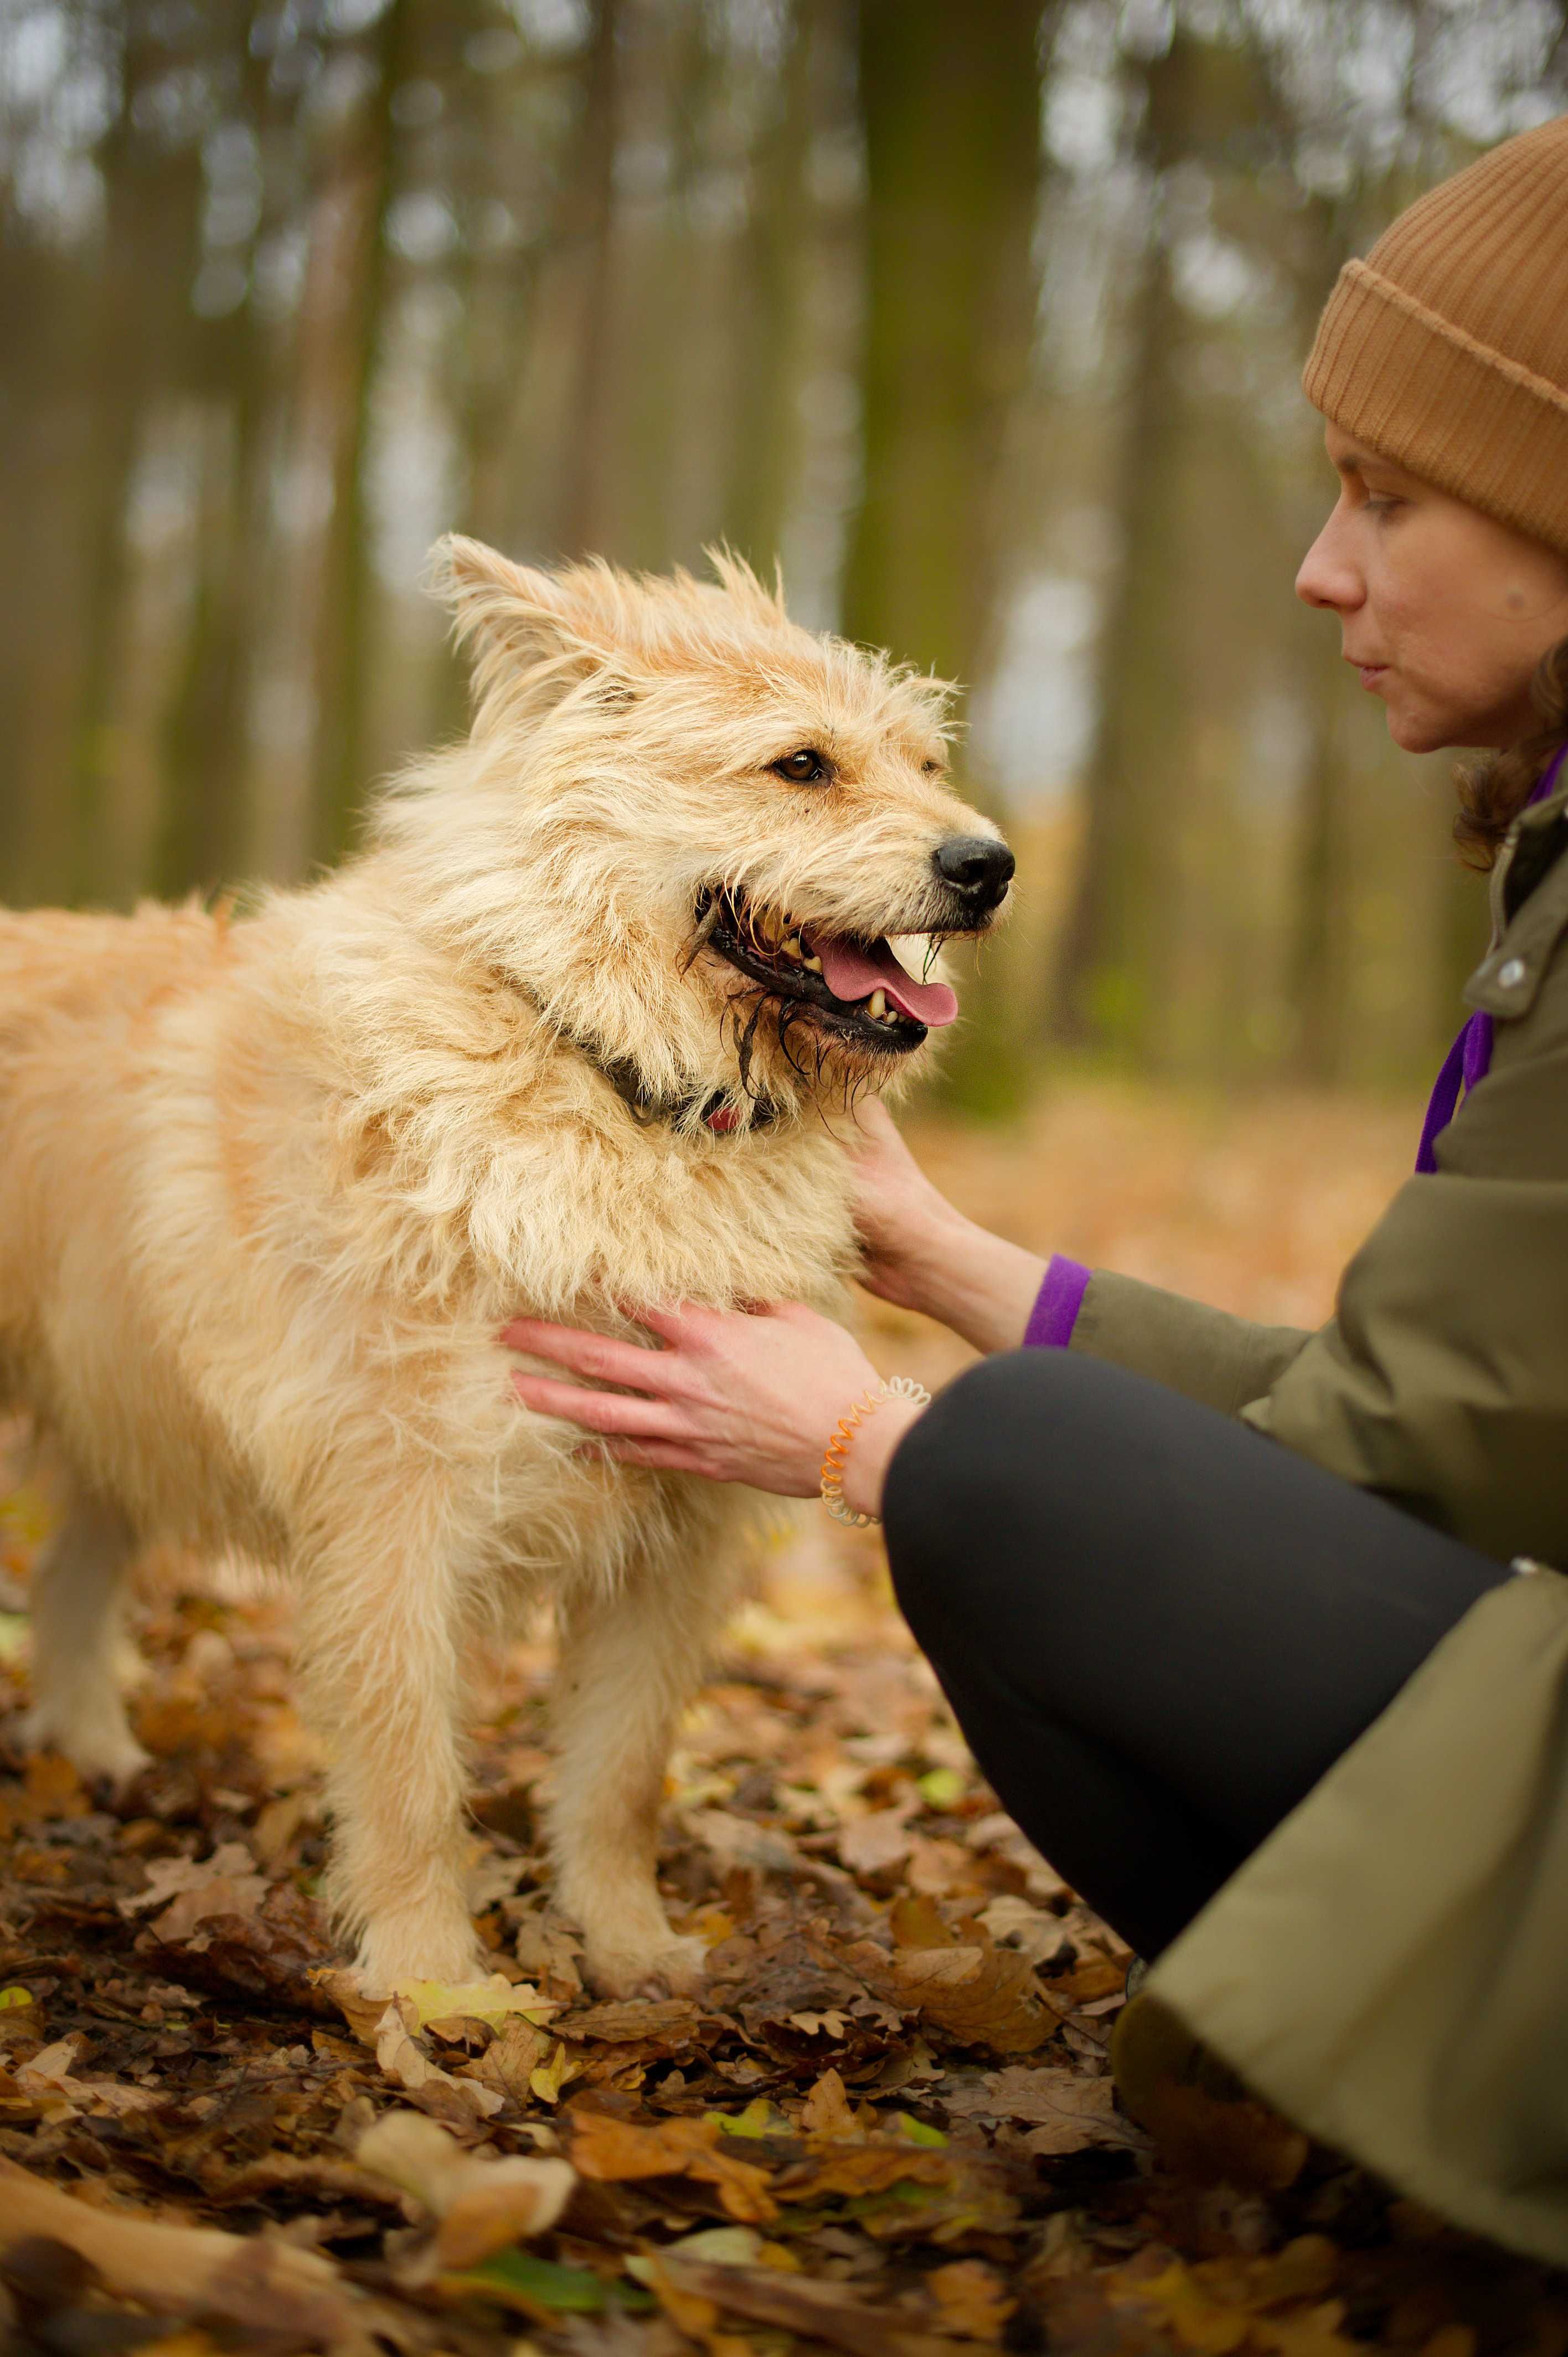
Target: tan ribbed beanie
{"points": [[1447, 347]]}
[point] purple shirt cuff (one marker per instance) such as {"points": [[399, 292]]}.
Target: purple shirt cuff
{"points": [[1057, 1305]]}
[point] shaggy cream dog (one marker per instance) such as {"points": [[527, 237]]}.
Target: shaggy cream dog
{"points": [[559, 1041]]}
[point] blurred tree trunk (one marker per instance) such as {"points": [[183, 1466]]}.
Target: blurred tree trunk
{"points": [[951, 103], [200, 841], [152, 200], [200, 835], [580, 512], [1105, 952], [775, 339], [46, 424], [345, 333], [650, 415], [1115, 975], [950, 100]]}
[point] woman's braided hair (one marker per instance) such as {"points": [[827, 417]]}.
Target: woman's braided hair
{"points": [[1493, 790]]}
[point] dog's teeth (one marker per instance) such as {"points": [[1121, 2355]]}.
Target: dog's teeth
{"points": [[792, 946], [877, 1007], [812, 964]]}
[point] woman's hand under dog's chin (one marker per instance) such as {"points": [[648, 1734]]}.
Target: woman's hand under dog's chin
{"points": [[733, 1396], [921, 1252]]}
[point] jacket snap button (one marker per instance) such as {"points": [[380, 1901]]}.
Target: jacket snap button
{"points": [[1511, 974]]}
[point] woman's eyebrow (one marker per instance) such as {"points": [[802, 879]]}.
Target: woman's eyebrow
{"points": [[1358, 463]]}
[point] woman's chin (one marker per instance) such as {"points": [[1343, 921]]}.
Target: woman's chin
{"points": [[1426, 732]]}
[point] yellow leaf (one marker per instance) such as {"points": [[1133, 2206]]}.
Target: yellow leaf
{"points": [[761, 2118], [826, 2113], [1199, 2321], [489, 2001], [549, 2079], [711, 1925], [492, 2001], [972, 2302], [917, 1923], [615, 2151]]}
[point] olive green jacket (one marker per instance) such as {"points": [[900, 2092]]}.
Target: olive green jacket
{"points": [[1391, 1968]]}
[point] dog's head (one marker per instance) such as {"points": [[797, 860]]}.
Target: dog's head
{"points": [[689, 831]]}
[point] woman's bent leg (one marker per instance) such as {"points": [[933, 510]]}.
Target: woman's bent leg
{"points": [[1157, 1628]]}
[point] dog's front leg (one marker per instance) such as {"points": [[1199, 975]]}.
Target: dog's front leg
{"points": [[381, 1642], [630, 1659], [76, 1609]]}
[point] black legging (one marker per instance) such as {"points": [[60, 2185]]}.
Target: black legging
{"points": [[1157, 1628]]}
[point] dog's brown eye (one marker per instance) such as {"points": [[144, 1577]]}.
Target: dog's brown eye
{"points": [[807, 768], [930, 768]]}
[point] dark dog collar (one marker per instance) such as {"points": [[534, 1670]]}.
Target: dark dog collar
{"points": [[715, 1112]]}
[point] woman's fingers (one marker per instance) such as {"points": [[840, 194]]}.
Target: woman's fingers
{"points": [[690, 1324], [681, 1324], [600, 1355], [610, 1411], [658, 1456]]}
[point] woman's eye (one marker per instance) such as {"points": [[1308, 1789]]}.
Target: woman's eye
{"points": [[807, 768], [1383, 506]]}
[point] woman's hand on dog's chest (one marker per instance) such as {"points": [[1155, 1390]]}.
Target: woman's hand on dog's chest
{"points": [[733, 1396]]}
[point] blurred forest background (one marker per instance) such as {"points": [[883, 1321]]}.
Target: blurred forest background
{"points": [[984, 320]]}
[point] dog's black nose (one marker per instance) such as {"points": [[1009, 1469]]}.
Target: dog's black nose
{"points": [[976, 865]]}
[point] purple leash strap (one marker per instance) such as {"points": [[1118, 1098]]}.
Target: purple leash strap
{"points": [[1470, 1058], [1468, 1061]]}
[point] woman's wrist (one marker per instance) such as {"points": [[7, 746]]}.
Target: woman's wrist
{"points": [[975, 1283], [872, 1451]]}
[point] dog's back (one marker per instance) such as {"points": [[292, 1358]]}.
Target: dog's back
{"points": [[78, 995]]}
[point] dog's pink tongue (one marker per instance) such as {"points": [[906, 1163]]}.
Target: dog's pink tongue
{"points": [[853, 973]]}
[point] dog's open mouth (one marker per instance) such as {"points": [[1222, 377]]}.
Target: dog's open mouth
{"points": [[855, 987]]}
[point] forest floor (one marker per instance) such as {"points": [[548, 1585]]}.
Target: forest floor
{"points": [[886, 2125]]}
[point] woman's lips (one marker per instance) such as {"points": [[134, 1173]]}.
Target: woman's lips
{"points": [[1370, 674]]}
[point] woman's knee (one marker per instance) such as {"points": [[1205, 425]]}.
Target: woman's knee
{"points": [[1032, 1468], [988, 1487]]}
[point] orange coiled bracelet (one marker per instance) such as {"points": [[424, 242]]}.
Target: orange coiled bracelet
{"points": [[836, 1455]]}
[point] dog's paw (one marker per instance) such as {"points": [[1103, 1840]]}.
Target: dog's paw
{"points": [[106, 1754], [392, 1952], [675, 1969]]}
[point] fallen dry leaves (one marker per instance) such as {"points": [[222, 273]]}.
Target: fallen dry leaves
{"points": [[886, 2126]]}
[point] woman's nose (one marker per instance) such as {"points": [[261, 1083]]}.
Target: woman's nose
{"points": [[1326, 577]]}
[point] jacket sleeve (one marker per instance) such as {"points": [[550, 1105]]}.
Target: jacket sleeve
{"points": [[1207, 1353]]}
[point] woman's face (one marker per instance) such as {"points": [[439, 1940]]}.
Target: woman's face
{"points": [[1444, 612]]}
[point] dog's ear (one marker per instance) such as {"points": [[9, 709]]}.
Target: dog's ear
{"points": [[522, 627]]}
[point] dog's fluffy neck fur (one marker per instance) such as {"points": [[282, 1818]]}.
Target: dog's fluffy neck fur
{"points": [[503, 1162], [556, 926], [718, 1110]]}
